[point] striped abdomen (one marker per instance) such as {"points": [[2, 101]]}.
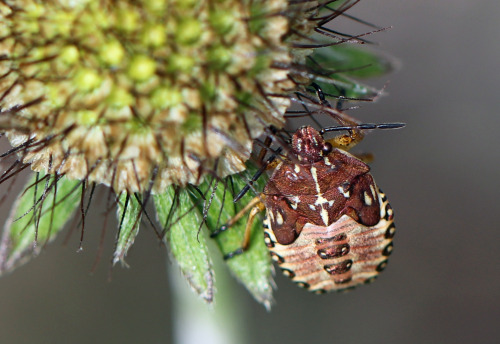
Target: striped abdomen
{"points": [[337, 257]]}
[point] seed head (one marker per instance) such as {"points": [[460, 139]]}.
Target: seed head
{"points": [[119, 92]]}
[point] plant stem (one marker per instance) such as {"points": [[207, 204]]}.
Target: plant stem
{"points": [[196, 322]]}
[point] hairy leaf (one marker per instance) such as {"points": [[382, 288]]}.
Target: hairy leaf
{"points": [[351, 61], [181, 221], [38, 215], [253, 268], [129, 211]]}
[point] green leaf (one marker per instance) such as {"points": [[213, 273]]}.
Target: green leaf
{"points": [[340, 86], [333, 68], [351, 61], [253, 268], [181, 220], [38, 215], [129, 213]]}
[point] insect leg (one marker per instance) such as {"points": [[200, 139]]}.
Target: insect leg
{"points": [[255, 206], [253, 203], [259, 207]]}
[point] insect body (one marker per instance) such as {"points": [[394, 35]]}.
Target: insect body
{"points": [[328, 225]]}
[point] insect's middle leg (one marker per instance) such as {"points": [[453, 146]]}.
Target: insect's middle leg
{"points": [[254, 207]]}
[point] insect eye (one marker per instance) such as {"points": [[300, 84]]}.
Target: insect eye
{"points": [[327, 148]]}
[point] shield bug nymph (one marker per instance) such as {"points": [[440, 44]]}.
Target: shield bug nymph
{"points": [[328, 226]]}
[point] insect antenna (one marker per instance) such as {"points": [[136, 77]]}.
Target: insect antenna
{"points": [[358, 20], [278, 136], [363, 126], [257, 175]]}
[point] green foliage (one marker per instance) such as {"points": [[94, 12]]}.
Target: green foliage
{"points": [[334, 68], [38, 215], [181, 222], [352, 61], [129, 211], [252, 268]]}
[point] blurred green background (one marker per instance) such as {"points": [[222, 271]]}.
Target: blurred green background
{"points": [[441, 174]]}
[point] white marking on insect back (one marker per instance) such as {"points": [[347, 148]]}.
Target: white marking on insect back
{"points": [[315, 177], [271, 216], [312, 207], [372, 189], [344, 193], [368, 199], [290, 175], [329, 163], [320, 200], [279, 218], [297, 168], [299, 145]]}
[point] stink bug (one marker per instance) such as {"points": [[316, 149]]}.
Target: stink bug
{"points": [[328, 226]]}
